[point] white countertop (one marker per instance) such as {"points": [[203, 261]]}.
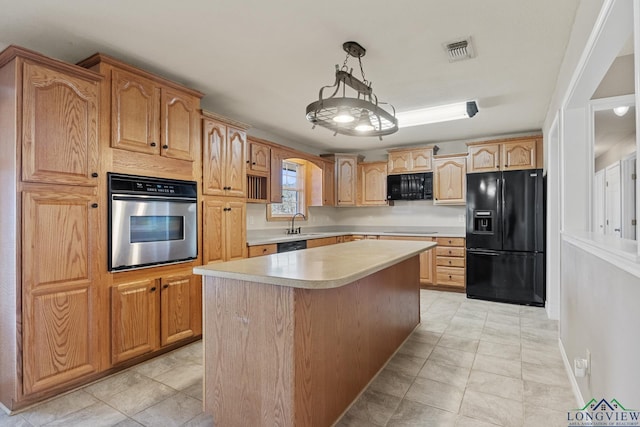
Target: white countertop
{"points": [[265, 237], [319, 268]]}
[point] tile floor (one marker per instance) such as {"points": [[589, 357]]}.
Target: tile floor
{"points": [[470, 363]]}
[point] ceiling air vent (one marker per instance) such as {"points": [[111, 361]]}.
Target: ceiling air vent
{"points": [[459, 50]]}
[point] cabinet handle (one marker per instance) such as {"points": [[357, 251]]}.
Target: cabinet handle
{"points": [[449, 241], [153, 289], [165, 146], [449, 276], [449, 252], [449, 262], [153, 144], [94, 205], [94, 175], [247, 161], [165, 286], [253, 163], [264, 250]]}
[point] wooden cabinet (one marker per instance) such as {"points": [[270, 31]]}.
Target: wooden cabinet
{"points": [[59, 127], [505, 154], [372, 184], [323, 241], [223, 159], [259, 158], [410, 160], [60, 287], [450, 262], [150, 313], [329, 184], [180, 308], [261, 250], [149, 114], [427, 258], [346, 178], [224, 230], [135, 319], [449, 180], [51, 225], [519, 154]]}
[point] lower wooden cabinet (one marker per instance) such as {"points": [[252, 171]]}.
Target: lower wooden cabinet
{"points": [[150, 313], [451, 262], [135, 319], [60, 287], [324, 241], [427, 258], [260, 250]]}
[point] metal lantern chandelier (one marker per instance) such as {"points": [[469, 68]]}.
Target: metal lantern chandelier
{"points": [[356, 115]]}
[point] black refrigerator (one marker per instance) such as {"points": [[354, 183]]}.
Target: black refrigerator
{"points": [[505, 236]]}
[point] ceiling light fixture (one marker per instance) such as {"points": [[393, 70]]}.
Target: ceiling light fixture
{"points": [[338, 111], [441, 113], [621, 111]]}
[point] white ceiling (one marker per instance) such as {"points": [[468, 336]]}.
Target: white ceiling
{"points": [[262, 62]]}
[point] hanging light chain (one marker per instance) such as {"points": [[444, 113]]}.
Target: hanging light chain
{"points": [[364, 79]]}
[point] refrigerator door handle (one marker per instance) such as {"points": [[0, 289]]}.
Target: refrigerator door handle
{"points": [[481, 252]]}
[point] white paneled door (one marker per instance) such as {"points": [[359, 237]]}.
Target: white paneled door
{"points": [[612, 198]]}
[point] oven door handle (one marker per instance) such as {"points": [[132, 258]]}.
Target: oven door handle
{"points": [[153, 199]]}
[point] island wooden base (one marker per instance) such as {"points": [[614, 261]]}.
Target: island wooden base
{"points": [[284, 356]]}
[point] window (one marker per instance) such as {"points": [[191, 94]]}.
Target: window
{"points": [[293, 192]]}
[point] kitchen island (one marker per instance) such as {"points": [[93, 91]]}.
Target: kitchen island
{"points": [[291, 339]]}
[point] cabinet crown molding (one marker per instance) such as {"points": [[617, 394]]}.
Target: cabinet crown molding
{"points": [[219, 117], [501, 140], [102, 58], [13, 51]]}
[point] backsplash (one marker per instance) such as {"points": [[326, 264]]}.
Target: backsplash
{"points": [[404, 213]]}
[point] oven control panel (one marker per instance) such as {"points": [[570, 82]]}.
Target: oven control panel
{"points": [[138, 185]]}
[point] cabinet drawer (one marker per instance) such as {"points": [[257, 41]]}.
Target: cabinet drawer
{"points": [[453, 276], [260, 250], [450, 261], [449, 251], [450, 241]]}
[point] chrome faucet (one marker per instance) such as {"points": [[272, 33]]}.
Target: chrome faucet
{"points": [[293, 230]]}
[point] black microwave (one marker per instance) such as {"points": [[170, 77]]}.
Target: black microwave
{"points": [[410, 186]]}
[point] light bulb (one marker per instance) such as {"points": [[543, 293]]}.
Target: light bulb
{"points": [[364, 123], [621, 111], [343, 115]]}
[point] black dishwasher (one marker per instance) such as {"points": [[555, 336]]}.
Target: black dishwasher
{"points": [[292, 246]]}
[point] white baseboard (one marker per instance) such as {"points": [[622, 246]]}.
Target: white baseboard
{"points": [[569, 368]]}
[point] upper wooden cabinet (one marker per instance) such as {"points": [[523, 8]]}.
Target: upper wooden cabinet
{"points": [[449, 179], [223, 159], [259, 158], [346, 178], [59, 126], [505, 154], [409, 160], [372, 184], [149, 114], [328, 184]]}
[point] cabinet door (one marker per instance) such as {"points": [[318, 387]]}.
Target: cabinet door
{"points": [[484, 158], [235, 234], [400, 162], [519, 155], [59, 127], [346, 173], [60, 284], [259, 157], [421, 160], [328, 184], [178, 118], [134, 319], [135, 107], [275, 177], [235, 163], [213, 238], [214, 141], [177, 309], [373, 183], [449, 181], [427, 258]]}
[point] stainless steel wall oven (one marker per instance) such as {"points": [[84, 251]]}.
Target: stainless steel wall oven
{"points": [[152, 221]]}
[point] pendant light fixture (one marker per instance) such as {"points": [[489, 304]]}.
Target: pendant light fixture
{"points": [[352, 108]]}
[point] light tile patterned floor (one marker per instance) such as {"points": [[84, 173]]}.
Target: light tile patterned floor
{"points": [[470, 363]]}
